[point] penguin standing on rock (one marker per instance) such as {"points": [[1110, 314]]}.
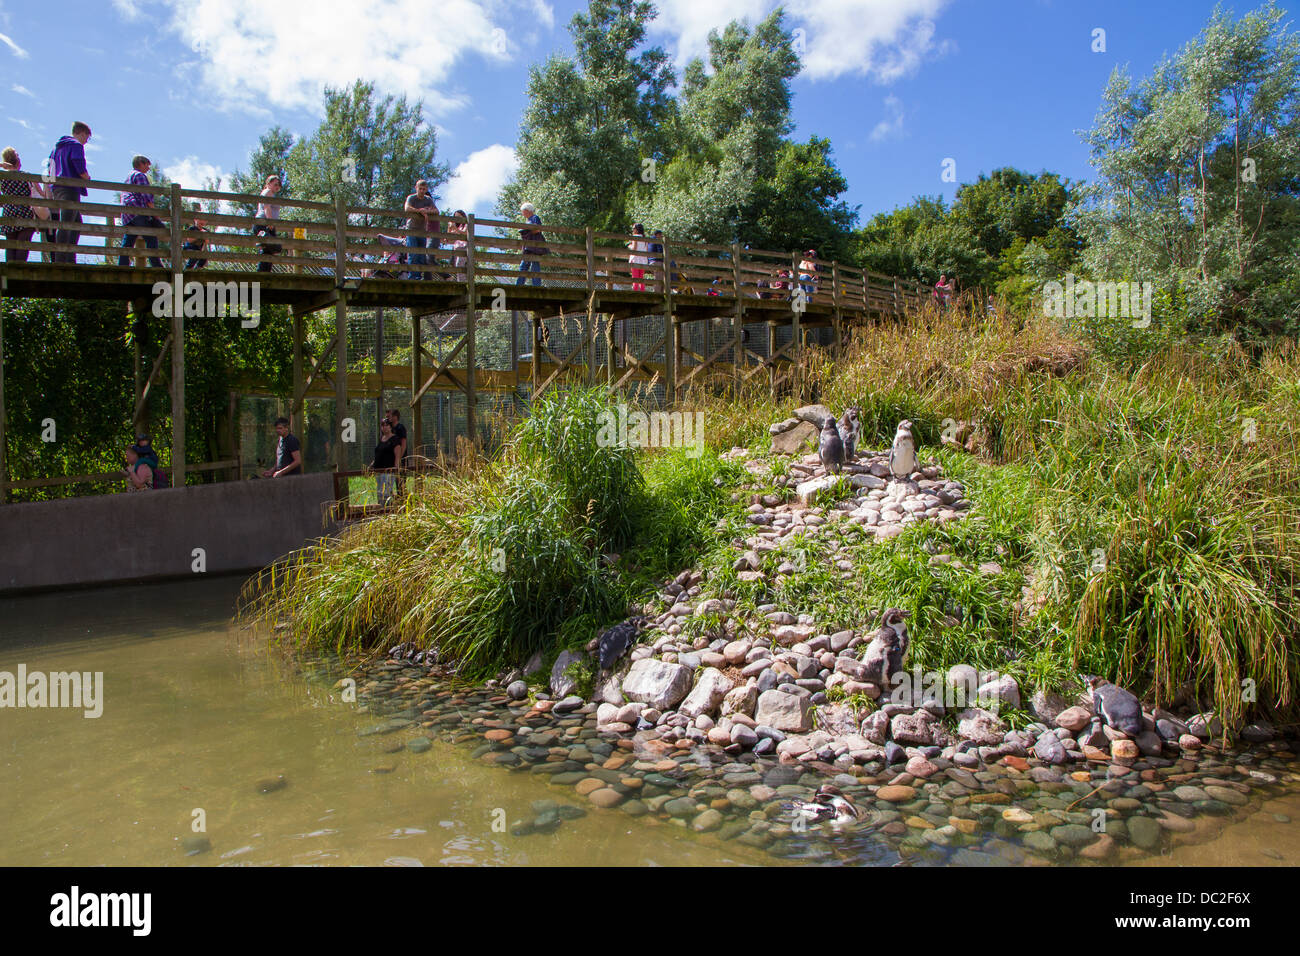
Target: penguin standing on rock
{"points": [[902, 457], [831, 449], [888, 647], [1114, 706], [850, 428], [615, 641]]}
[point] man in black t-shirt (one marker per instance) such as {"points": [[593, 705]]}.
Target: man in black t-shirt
{"points": [[394, 418], [288, 453]]}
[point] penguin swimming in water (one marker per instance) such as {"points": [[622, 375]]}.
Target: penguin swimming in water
{"points": [[615, 641], [829, 805], [902, 456], [1114, 706], [850, 428], [831, 449]]}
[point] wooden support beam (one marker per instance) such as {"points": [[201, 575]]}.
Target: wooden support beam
{"points": [[440, 370], [471, 333], [143, 393], [299, 389], [417, 352], [340, 378], [673, 333], [379, 369], [178, 344], [738, 322]]}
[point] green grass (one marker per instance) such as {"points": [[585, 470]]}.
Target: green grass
{"points": [[1158, 533]]}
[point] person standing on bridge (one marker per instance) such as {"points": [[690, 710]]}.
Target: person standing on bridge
{"points": [[288, 453], [419, 207], [638, 259], [142, 201], [530, 253], [16, 189], [68, 161], [270, 211]]}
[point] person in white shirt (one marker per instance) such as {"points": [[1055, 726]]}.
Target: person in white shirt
{"points": [[267, 210]]}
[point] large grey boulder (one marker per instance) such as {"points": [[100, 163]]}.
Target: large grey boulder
{"points": [[707, 694], [785, 712], [562, 685], [979, 725], [796, 439], [657, 683], [813, 414]]}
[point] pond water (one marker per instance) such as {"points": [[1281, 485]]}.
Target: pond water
{"points": [[199, 719]]}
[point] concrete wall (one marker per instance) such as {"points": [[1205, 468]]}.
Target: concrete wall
{"points": [[240, 525]]}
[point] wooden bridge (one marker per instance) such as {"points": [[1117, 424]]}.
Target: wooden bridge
{"points": [[332, 255]]}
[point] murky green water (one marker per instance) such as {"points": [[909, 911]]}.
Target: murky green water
{"points": [[197, 714]]}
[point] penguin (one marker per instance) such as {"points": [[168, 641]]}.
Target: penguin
{"points": [[831, 449], [850, 428], [888, 647], [1114, 706], [615, 641], [829, 805], [902, 457]]}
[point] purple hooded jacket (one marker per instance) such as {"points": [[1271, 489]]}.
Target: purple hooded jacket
{"points": [[68, 159]]}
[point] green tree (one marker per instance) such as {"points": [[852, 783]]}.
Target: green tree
{"points": [[271, 157], [592, 120], [1199, 186], [368, 149]]}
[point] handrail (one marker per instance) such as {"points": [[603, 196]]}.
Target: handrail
{"points": [[339, 245]]}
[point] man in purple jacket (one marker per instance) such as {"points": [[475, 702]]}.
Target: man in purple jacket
{"points": [[68, 161]]}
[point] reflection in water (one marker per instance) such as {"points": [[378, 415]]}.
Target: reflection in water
{"points": [[197, 715], [200, 721]]}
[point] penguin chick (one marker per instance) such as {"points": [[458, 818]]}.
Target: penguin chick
{"points": [[831, 449], [1115, 706], [902, 456], [850, 429], [615, 641]]}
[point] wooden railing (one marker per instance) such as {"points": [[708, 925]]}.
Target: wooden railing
{"points": [[346, 242], [110, 477]]}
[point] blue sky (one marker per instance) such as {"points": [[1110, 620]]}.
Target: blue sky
{"points": [[898, 86]]}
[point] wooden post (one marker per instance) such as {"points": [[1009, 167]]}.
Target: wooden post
{"points": [[591, 310], [771, 350], [178, 344], [4, 472], [471, 331], [672, 339], [340, 377], [738, 323], [295, 412], [417, 419], [836, 318], [340, 240], [379, 370]]}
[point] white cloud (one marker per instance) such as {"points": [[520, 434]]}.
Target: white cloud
{"points": [[476, 182], [882, 39], [18, 88], [893, 125], [192, 173], [687, 22], [256, 56], [128, 8], [18, 51]]}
